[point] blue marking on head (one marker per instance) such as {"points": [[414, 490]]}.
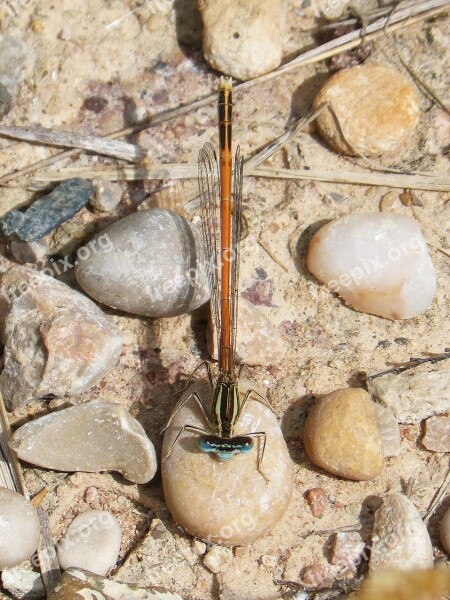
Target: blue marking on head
{"points": [[225, 448]]}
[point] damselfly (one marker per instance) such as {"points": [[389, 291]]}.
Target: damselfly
{"points": [[221, 194]]}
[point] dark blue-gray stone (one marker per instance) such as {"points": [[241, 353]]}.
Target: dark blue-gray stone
{"points": [[48, 212]]}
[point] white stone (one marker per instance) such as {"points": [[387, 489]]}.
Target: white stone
{"points": [[23, 584], [378, 263], [413, 395], [153, 265], [19, 528], [91, 542], [218, 558], [243, 39], [92, 437], [389, 431]]}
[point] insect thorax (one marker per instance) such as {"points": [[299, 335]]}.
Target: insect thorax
{"points": [[225, 406]]}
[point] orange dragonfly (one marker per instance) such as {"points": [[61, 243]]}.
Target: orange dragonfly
{"points": [[221, 194]]}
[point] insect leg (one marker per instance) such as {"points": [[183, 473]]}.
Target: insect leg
{"points": [[196, 397], [182, 430], [262, 446]]}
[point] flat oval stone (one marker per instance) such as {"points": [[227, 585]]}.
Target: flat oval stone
{"points": [[342, 437], [226, 502], [153, 265], [378, 263], [373, 110], [95, 436], [19, 528], [91, 542]]}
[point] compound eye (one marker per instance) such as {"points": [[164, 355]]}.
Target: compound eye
{"points": [[204, 444]]}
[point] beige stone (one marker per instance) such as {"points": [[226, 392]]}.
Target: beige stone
{"points": [[342, 436], [96, 436], [373, 110], [226, 502], [91, 542], [243, 39]]}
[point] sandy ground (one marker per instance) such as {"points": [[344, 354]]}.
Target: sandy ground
{"points": [[96, 49]]}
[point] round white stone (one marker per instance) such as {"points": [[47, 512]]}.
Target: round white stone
{"points": [[378, 263], [150, 263], [91, 542], [19, 528]]}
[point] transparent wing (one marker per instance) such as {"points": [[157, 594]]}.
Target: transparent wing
{"points": [[235, 245], [208, 181]]}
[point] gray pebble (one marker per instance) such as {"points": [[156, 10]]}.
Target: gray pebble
{"points": [[154, 265], [15, 57], [48, 212]]}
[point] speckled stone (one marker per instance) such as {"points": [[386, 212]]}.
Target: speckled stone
{"points": [[226, 502], [413, 395], [15, 57], [400, 539], [378, 263], [57, 341], [76, 583], [154, 266], [19, 528], [373, 110], [106, 195], [48, 212], [342, 437], [96, 436], [243, 39], [437, 433], [91, 542]]}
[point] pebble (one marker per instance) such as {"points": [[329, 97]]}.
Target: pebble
{"points": [[317, 576], [106, 195], [96, 436], [45, 214], [199, 547], [413, 395], [15, 57], [77, 583], [19, 528], [258, 341], [218, 558], [373, 110], [445, 531], [426, 584], [91, 542], [154, 266], [347, 548], [226, 502], [23, 584], [389, 431], [400, 539], [243, 39], [378, 263], [29, 252], [341, 435], [437, 434], [57, 341], [317, 500]]}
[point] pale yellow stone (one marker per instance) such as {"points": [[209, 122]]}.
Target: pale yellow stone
{"points": [[230, 502], [373, 110], [342, 435]]}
